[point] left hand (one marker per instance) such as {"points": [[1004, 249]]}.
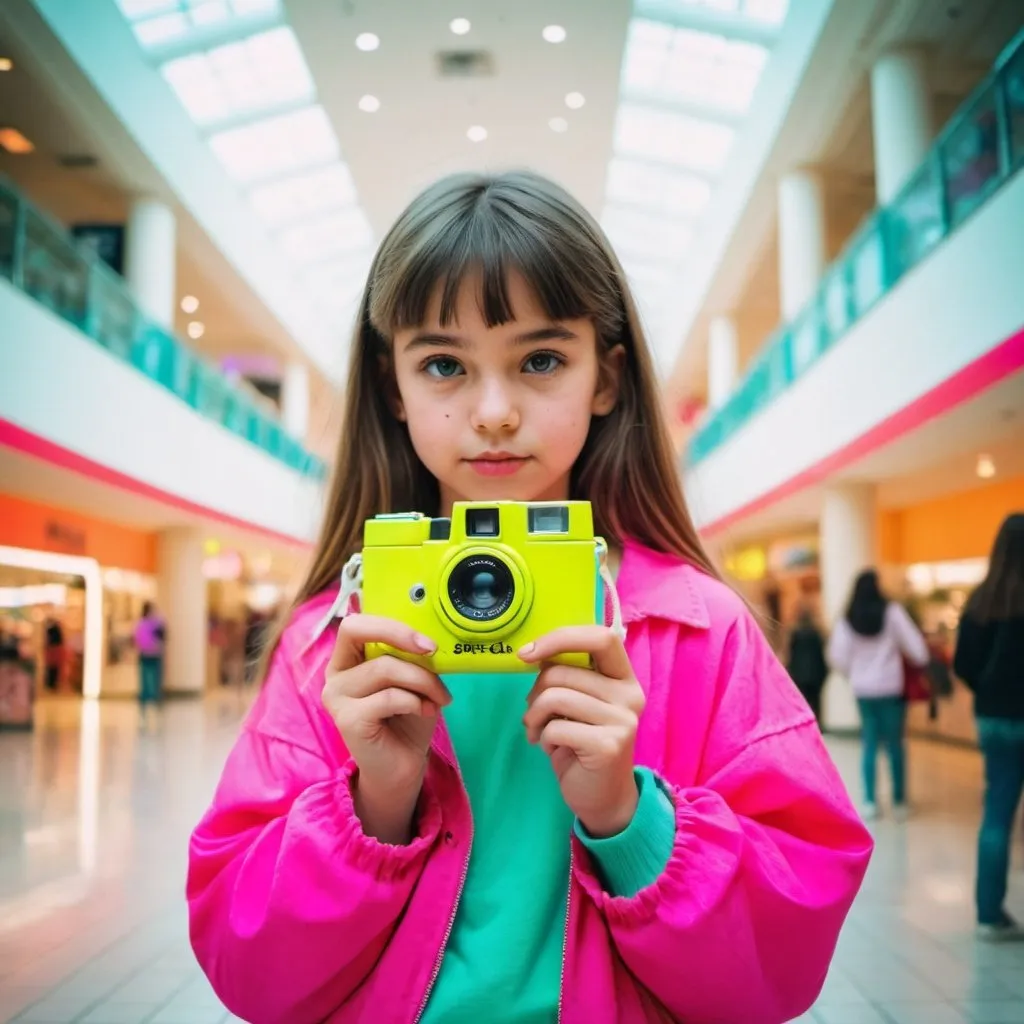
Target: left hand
{"points": [[585, 720]]}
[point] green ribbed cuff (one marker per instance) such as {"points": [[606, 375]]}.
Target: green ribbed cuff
{"points": [[633, 859]]}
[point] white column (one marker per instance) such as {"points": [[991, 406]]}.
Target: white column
{"points": [[901, 119], [723, 360], [849, 544], [295, 400], [150, 254], [181, 600], [801, 239]]}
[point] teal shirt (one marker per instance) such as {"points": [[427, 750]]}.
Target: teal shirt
{"points": [[503, 960]]}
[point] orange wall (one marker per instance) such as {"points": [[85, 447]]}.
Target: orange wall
{"points": [[960, 525], [26, 524]]}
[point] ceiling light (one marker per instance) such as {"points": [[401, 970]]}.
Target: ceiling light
{"points": [[367, 41], [986, 468], [14, 142], [6, 63], [369, 104], [558, 124], [189, 304], [554, 34], [196, 330], [477, 133], [460, 26], [575, 100]]}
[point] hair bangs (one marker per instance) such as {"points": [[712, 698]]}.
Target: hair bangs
{"points": [[481, 242]]}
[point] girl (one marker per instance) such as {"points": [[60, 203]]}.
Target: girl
{"points": [[990, 660], [868, 646], [662, 836]]}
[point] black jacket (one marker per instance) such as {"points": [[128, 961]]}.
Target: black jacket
{"points": [[990, 660], [806, 665]]}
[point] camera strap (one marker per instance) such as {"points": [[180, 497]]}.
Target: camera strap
{"points": [[618, 626], [351, 586]]}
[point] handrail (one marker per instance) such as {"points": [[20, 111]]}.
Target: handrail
{"points": [[41, 259], [978, 151]]}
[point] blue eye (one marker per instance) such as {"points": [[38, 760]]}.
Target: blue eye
{"points": [[543, 362], [443, 366]]}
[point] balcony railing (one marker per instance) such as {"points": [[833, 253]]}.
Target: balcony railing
{"points": [[45, 262], [978, 151]]}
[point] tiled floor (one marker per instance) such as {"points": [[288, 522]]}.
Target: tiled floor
{"points": [[94, 818]]}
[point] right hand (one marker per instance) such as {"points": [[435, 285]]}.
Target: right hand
{"points": [[386, 710]]}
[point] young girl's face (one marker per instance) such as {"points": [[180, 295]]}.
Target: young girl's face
{"points": [[501, 412]]}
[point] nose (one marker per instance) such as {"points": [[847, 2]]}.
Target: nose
{"points": [[495, 410]]}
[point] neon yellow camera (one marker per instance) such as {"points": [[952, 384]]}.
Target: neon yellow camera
{"points": [[494, 577]]}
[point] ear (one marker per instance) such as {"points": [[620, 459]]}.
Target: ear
{"points": [[389, 383], [609, 380]]}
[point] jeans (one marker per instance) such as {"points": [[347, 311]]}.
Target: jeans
{"points": [[882, 719], [151, 671], [1002, 743]]}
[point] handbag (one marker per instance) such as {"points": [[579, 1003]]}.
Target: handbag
{"points": [[915, 682]]}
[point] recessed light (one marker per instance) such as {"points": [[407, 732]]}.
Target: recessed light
{"points": [[189, 304], [986, 467], [554, 34], [6, 63], [558, 124], [477, 133], [575, 100], [196, 330], [367, 41], [369, 104], [460, 26], [14, 142]]}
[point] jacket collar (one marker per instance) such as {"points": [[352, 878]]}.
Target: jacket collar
{"points": [[656, 586]]}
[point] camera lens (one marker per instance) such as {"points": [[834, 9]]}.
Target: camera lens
{"points": [[481, 588]]}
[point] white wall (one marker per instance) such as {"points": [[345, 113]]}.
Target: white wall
{"points": [[957, 304], [60, 385]]}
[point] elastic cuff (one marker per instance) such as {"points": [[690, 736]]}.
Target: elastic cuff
{"points": [[633, 859]]}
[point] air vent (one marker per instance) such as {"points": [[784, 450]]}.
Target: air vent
{"points": [[465, 63], [77, 161]]}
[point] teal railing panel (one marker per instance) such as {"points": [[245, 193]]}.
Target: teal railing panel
{"points": [[41, 259], [980, 149]]}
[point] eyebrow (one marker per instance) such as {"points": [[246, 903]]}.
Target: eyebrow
{"points": [[553, 333]]}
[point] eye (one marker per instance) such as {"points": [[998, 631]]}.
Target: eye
{"points": [[442, 367], [543, 362]]}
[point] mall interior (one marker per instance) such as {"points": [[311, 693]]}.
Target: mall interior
{"points": [[814, 203]]}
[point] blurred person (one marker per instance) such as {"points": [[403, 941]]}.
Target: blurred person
{"points": [[53, 656], [989, 658], [548, 853], [868, 646], [806, 662], [150, 641]]}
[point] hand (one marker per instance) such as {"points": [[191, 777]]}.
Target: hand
{"points": [[386, 710], [585, 720]]}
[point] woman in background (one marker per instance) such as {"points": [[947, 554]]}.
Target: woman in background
{"points": [[868, 646], [989, 659], [806, 663]]}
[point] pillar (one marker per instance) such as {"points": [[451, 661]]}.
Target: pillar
{"points": [[295, 400], [181, 600], [901, 119], [150, 255], [848, 546], [802, 246], [723, 360]]}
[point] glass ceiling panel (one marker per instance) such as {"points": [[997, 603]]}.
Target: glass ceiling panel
{"points": [[241, 78], [632, 231], [296, 199], [668, 137], [276, 146], [341, 232], [639, 184], [767, 12], [160, 22]]}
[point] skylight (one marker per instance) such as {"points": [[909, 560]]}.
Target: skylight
{"points": [[276, 145], [241, 78], [668, 137], [768, 12], [344, 231], [159, 23], [295, 199], [640, 184]]}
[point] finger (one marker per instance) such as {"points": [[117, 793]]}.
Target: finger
{"points": [[392, 702], [572, 677], [387, 671], [604, 647], [584, 740], [356, 631], [572, 706]]}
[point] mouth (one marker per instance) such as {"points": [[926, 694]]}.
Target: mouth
{"points": [[498, 463]]}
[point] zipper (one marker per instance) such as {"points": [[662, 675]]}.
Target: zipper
{"points": [[565, 936], [455, 908]]}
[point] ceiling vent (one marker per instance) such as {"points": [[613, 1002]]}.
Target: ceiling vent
{"points": [[77, 161], [465, 63]]}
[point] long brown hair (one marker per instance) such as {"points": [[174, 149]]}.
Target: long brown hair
{"points": [[1000, 595], [489, 227]]}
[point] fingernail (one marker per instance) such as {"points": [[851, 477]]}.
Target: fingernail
{"points": [[527, 649], [425, 644]]}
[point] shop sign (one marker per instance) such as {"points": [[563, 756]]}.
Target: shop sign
{"points": [[65, 538]]}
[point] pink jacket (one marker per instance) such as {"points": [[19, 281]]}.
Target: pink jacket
{"points": [[297, 916]]}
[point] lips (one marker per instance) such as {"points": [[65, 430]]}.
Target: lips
{"points": [[498, 463]]}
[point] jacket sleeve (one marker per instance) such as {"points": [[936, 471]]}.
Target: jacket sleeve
{"points": [[840, 647], [910, 639], [290, 903], [969, 657], [768, 855]]}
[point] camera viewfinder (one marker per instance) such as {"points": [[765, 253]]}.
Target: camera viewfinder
{"points": [[481, 522], [549, 519]]}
